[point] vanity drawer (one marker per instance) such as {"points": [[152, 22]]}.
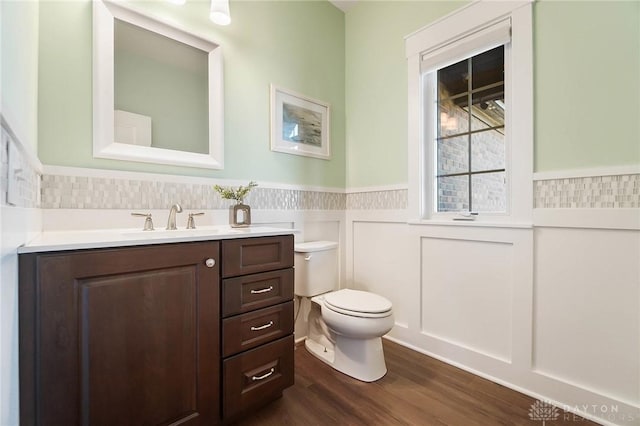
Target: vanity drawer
{"points": [[247, 293], [257, 376], [252, 329], [251, 255]]}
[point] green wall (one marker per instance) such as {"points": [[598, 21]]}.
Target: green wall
{"points": [[586, 82], [376, 96], [586, 67], [295, 45]]}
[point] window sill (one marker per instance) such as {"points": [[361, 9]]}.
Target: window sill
{"points": [[470, 223]]}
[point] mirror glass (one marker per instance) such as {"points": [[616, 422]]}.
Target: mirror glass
{"points": [[157, 91], [160, 91]]}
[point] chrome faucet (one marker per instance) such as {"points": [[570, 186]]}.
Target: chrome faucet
{"points": [[171, 222]]}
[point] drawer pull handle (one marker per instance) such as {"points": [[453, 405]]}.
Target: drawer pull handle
{"points": [[264, 290], [264, 376], [262, 327]]}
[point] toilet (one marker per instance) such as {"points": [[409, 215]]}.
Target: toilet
{"points": [[345, 326]]}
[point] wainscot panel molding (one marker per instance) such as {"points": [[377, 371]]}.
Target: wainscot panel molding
{"points": [[614, 218], [471, 308], [556, 315], [587, 310]]}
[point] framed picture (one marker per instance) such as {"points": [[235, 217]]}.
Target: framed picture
{"points": [[299, 124]]}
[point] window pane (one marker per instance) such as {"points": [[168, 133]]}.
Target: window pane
{"points": [[487, 108], [487, 68], [453, 155], [452, 120], [489, 192], [471, 116], [487, 151], [453, 80], [453, 193]]}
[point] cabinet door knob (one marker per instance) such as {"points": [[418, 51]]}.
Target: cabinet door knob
{"points": [[210, 263]]}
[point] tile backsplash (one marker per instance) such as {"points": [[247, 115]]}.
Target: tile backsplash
{"points": [[621, 191], [378, 200], [83, 192], [87, 192], [19, 179]]}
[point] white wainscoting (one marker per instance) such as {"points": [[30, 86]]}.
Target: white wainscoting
{"points": [[466, 293], [587, 309], [552, 311], [379, 261]]}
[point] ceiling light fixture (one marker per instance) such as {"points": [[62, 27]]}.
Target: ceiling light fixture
{"points": [[220, 12]]}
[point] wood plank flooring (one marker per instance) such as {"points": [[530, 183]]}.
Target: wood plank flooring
{"points": [[417, 390]]}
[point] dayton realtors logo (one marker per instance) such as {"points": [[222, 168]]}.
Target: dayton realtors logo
{"points": [[543, 411]]}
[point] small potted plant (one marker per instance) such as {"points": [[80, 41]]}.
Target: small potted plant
{"points": [[240, 213]]}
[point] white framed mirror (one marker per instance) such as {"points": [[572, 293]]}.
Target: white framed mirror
{"points": [[179, 121]]}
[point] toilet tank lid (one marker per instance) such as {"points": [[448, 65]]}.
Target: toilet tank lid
{"points": [[313, 246]]}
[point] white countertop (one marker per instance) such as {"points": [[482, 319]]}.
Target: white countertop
{"points": [[105, 238]]}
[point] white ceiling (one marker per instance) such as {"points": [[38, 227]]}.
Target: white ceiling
{"points": [[343, 5]]}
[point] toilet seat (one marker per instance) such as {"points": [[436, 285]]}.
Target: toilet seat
{"points": [[358, 303]]}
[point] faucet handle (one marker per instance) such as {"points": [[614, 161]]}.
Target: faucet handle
{"points": [[191, 224], [148, 223]]}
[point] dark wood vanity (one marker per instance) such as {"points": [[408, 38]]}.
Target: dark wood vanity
{"points": [[180, 333]]}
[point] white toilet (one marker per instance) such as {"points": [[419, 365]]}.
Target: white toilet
{"points": [[345, 326]]}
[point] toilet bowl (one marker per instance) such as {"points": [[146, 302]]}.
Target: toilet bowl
{"points": [[345, 326]]}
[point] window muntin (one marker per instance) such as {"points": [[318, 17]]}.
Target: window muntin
{"points": [[470, 172], [473, 29]]}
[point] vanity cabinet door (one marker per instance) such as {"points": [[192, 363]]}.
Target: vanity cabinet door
{"points": [[127, 336]]}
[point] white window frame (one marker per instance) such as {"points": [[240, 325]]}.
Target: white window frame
{"points": [[461, 32]]}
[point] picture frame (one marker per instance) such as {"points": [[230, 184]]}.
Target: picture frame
{"points": [[299, 124]]}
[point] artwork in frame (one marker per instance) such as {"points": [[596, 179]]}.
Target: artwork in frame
{"points": [[299, 124]]}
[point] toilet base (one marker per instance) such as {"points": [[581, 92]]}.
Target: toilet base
{"points": [[323, 353], [362, 359]]}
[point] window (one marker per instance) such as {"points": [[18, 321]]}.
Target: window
{"points": [[469, 138], [470, 114]]}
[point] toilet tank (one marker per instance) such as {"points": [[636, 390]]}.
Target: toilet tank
{"points": [[316, 267]]}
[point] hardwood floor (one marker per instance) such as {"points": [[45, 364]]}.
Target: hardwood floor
{"points": [[417, 390]]}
